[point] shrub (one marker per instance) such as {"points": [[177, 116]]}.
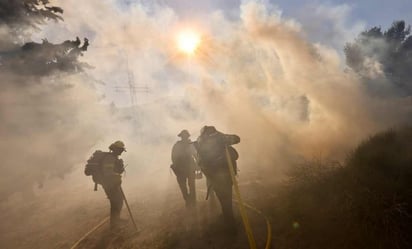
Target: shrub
{"points": [[366, 203]]}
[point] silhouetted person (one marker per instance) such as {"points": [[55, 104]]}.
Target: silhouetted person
{"points": [[184, 166], [106, 169], [211, 147]]}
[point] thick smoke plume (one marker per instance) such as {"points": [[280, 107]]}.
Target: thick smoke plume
{"points": [[46, 124], [254, 75]]}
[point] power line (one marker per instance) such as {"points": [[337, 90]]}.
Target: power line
{"points": [[131, 86]]}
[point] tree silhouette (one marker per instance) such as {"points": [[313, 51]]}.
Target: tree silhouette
{"points": [[36, 109], [19, 19], [383, 55]]}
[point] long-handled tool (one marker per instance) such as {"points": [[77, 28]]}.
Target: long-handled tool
{"points": [[246, 224], [128, 208], [209, 188]]}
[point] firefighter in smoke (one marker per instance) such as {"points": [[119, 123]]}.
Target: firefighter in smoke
{"points": [[184, 166], [211, 147], [106, 169]]}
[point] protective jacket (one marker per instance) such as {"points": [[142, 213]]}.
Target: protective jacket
{"points": [[212, 151], [183, 158], [211, 148], [105, 168]]}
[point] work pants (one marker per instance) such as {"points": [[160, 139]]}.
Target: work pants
{"points": [[221, 183], [115, 197], [187, 187]]}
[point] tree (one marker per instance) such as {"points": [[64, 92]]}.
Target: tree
{"points": [[383, 55], [40, 59], [18, 19], [40, 118]]}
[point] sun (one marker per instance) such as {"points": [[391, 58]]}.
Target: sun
{"points": [[188, 41]]}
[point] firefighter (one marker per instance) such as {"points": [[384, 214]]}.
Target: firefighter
{"points": [[184, 166], [106, 169], [211, 147]]}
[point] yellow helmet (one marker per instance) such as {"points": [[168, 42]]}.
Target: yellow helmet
{"points": [[118, 144]]}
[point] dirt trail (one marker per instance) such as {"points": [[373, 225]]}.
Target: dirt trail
{"points": [[174, 226], [56, 220]]}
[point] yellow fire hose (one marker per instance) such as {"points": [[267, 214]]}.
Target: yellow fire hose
{"points": [[246, 224], [268, 225], [90, 232], [242, 205]]}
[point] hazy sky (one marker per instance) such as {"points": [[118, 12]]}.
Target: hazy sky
{"points": [[373, 12], [319, 18], [132, 25]]}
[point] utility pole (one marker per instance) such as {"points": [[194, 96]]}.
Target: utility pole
{"points": [[131, 86]]}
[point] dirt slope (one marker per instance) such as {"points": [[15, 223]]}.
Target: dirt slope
{"points": [[58, 217]]}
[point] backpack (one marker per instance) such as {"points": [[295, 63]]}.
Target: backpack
{"points": [[211, 150], [212, 153], [94, 167]]}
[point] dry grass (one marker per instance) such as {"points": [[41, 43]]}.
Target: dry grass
{"points": [[366, 203]]}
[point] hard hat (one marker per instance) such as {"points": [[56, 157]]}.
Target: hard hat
{"points": [[118, 144], [184, 133], [206, 130]]}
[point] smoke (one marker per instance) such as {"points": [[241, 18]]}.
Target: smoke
{"points": [[46, 125], [255, 76], [330, 24]]}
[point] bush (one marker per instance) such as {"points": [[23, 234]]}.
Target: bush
{"points": [[367, 203]]}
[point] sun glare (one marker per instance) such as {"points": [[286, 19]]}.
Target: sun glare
{"points": [[188, 41]]}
